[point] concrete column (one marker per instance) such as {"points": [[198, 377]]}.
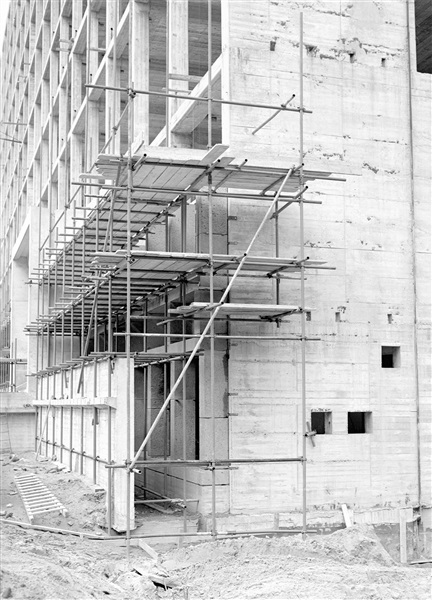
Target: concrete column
{"points": [[55, 11], [112, 99], [45, 95], [33, 291], [178, 63], [54, 73], [119, 450], [93, 108], [76, 91], [76, 157], [178, 57], [77, 13], [44, 162], [177, 407], [139, 65], [63, 117], [155, 396], [19, 300], [64, 35], [225, 74]]}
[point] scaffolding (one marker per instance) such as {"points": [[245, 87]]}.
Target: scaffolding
{"points": [[104, 296]]}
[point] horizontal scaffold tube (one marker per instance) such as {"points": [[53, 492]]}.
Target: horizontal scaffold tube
{"points": [[176, 192], [211, 320], [63, 447], [222, 534], [109, 538], [280, 107], [206, 463]]}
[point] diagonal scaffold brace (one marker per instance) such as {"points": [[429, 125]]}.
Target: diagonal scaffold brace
{"points": [[212, 318]]}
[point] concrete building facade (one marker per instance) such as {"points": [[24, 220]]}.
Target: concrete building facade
{"points": [[214, 290]]}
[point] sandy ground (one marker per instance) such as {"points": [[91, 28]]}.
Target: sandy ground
{"points": [[350, 563]]}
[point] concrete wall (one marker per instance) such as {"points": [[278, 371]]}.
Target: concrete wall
{"points": [[17, 422], [81, 421], [168, 437], [373, 228], [421, 93], [356, 75]]}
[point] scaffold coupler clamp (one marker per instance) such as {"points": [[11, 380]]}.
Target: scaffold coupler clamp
{"points": [[310, 433]]}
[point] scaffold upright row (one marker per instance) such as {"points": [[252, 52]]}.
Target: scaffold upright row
{"points": [[112, 302]]}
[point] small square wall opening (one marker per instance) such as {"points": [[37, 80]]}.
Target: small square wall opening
{"points": [[359, 422], [321, 422], [390, 357]]}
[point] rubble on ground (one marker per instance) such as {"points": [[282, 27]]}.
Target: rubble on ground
{"points": [[349, 563]]}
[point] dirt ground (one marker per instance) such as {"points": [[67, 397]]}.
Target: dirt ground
{"points": [[350, 563]]}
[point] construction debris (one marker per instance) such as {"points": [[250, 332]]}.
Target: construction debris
{"points": [[352, 562]]}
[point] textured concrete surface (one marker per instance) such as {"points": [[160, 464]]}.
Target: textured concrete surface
{"points": [[374, 229], [371, 121], [17, 422]]}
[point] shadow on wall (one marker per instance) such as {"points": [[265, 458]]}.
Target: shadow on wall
{"points": [[423, 27]]}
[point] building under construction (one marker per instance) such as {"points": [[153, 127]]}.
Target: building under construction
{"points": [[215, 255]]}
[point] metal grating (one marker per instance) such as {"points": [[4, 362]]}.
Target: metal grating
{"points": [[36, 497]]}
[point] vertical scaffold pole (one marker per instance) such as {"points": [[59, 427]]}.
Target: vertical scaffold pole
{"points": [[210, 250], [128, 338], [42, 309], [109, 457], [88, 158], [70, 436], [36, 428], [72, 325], [212, 359], [61, 433], [166, 369], [209, 65], [110, 349], [39, 339], [302, 290], [184, 206], [128, 290], [167, 78], [81, 454], [214, 314], [184, 405], [62, 345]]}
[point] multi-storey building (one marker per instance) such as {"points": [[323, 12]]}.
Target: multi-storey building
{"points": [[215, 251]]}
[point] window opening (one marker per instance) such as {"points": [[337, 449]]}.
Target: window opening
{"points": [[321, 422], [359, 422], [390, 357]]}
